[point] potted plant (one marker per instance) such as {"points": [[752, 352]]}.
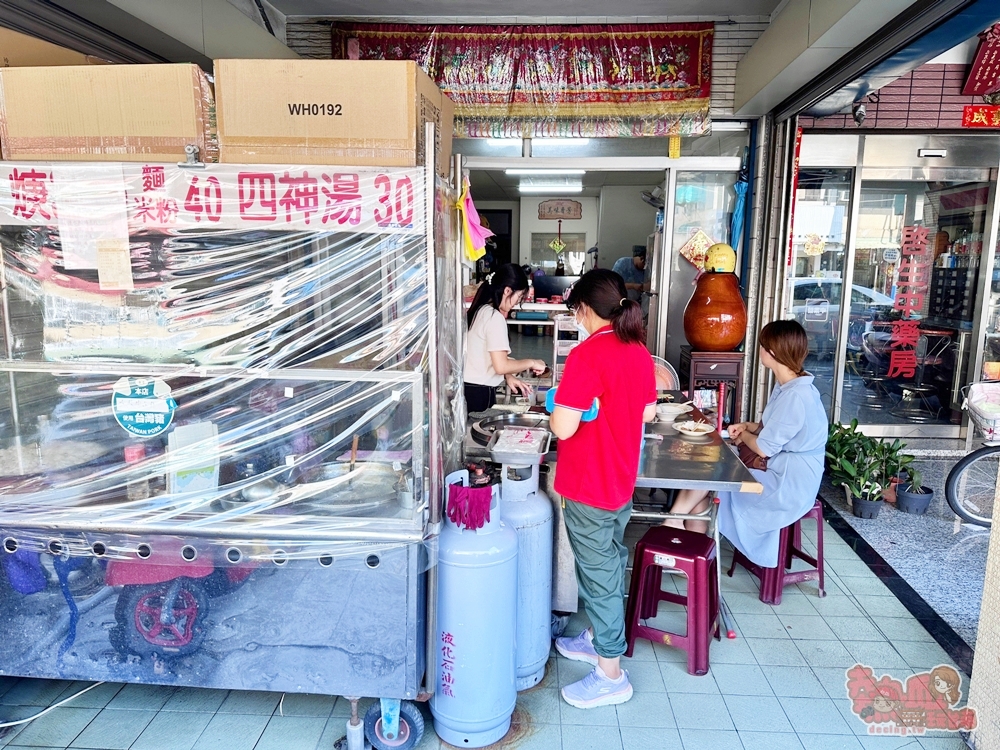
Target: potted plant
{"points": [[862, 466], [898, 466], [914, 497]]}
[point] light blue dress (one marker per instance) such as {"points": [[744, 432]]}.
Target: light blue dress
{"points": [[794, 439]]}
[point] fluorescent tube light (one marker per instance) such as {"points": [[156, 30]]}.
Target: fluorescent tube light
{"points": [[502, 142], [563, 141], [529, 172], [550, 189], [728, 126]]}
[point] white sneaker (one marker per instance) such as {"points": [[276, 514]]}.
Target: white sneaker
{"points": [[597, 689], [580, 648]]}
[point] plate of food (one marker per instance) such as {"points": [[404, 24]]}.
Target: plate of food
{"points": [[693, 429]]}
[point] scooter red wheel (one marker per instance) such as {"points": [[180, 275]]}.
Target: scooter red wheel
{"points": [[152, 625]]}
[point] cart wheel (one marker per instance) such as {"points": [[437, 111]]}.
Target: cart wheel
{"points": [[411, 727], [141, 629]]}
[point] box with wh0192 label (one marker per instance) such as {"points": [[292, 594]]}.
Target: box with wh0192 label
{"points": [[343, 112]]}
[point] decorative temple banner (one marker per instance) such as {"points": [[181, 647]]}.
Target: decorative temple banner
{"points": [[547, 81], [984, 73]]}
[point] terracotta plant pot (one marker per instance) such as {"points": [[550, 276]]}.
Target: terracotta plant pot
{"points": [[715, 319], [913, 502], [889, 493]]}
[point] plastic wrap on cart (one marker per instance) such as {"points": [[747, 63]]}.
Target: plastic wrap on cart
{"points": [[218, 435], [224, 196]]}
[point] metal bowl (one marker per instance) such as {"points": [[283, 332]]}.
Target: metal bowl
{"points": [[484, 429]]}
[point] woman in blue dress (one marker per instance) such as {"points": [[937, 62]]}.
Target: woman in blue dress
{"points": [[791, 436]]}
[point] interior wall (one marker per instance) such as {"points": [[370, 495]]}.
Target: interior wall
{"points": [[515, 223], [625, 220], [531, 223]]}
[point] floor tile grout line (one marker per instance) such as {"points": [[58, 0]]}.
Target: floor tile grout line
{"points": [[943, 634]]}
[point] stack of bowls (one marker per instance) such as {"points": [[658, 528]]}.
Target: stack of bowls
{"points": [[669, 412]]}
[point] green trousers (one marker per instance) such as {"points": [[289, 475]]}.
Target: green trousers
{"points": [[596, 537]]}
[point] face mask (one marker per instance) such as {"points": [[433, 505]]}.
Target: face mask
{"points": [[583, 332]]}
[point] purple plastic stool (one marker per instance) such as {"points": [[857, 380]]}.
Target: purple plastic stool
{"points": [[694, 555], [774, 580]]}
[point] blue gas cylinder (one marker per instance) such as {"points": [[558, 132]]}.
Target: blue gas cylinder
{"points": [[476, 616], [525, 507]]}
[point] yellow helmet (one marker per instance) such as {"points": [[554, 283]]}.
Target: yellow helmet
{"points": [[720, 259]]}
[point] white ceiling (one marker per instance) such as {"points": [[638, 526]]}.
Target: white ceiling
{"points": [[496, 185], [523, 9]]}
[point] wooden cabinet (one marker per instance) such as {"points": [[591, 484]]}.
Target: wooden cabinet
{"points": [[706, 370]]}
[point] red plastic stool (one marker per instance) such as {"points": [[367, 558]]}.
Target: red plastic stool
{"points": [[774, 580], [694, 555]]}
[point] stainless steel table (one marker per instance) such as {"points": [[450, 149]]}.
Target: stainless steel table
{"points": [[677, 462], [668, 460]]}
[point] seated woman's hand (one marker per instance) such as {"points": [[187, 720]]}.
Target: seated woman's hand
{"points": [[735, 430]]}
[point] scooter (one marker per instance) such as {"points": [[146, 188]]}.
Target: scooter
{"points": [[164, 602]]}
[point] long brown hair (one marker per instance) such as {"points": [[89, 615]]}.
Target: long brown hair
{"points": [[787, 342], [953, 680], [603, 291]]}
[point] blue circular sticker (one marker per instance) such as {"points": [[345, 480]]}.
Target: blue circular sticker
{"points": [[142, 406]]}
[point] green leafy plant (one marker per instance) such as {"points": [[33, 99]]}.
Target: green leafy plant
{"points": [[863, 464], [916, 484]]}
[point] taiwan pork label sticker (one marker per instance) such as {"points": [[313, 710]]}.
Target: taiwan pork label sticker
{"points": [[142, 406]]}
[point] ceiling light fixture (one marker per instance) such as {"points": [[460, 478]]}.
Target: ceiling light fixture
{"points": [[728, 126], [502, 142], [551, 189], [530, 172]]}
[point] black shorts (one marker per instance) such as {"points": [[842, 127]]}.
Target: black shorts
{"points": [[479, 398]]}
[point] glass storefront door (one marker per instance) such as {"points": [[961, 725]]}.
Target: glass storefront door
{"points": [[884, 276]]}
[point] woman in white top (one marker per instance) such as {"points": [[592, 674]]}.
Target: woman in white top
{"points": [[487, 363]]}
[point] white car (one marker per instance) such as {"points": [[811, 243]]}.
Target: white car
{"points": [[816, 305]]}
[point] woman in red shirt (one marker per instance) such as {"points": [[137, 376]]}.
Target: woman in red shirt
{"points": [[598, 462]]}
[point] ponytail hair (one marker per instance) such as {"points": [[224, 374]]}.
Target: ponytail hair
{"points": [[603, 291], [490, 292]]}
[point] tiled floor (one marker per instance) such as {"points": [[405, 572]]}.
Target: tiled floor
{"points": [[951, 555], [778, 686]]}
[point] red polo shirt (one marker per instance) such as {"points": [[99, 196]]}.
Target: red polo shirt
{"points": [[599, 464]]}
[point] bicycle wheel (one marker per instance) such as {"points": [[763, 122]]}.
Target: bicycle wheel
{"points": [[973, 486]]}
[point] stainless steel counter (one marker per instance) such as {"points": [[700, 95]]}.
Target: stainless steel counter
{"points": [[674, 461]]}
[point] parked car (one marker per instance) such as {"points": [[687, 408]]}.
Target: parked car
{"points": [[816, 305]]}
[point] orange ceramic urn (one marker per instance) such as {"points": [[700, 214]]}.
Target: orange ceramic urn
{"points": [[715, 319]]}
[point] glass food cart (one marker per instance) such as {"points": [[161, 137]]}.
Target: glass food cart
{"points": [[226, 408]]}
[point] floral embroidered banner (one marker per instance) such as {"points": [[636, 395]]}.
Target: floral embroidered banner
{"points": [[547, 81]]}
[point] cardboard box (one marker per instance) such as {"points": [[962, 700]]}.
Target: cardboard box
{"points": [[106, 113], [350, 112], [20, 50]]}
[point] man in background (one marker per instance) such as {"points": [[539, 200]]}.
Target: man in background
{"points": [[633, 270]]}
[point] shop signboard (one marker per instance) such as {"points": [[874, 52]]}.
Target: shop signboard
{"points": [[981, 116], [984, 73], [560, 208], [219, 196]]}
